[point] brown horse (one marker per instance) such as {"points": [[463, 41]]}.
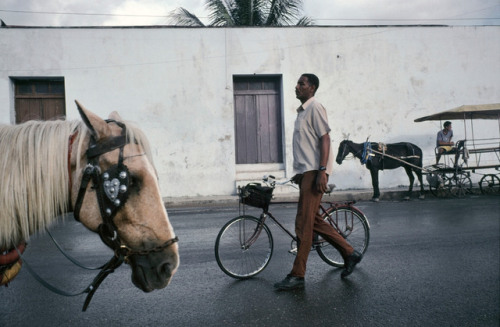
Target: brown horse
{"points": [[102, 171]]}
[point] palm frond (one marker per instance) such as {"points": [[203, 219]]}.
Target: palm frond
{"points": [[245, 13], [250, 12], [182, 17], [305, 21], [283, 12], [220, 12]]}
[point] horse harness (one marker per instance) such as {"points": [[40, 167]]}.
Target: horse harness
{"points": [[112, 191], [111, 187], [368, 152]]}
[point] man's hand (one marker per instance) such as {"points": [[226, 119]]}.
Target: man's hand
{"points": [[321, 182], [297, 179]]}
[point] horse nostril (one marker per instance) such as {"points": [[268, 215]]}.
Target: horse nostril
{"points": [[167, 269]]}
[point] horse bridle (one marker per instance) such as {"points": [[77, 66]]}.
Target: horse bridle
{"points": [[346, 147], [112, 191], [343, 150]]}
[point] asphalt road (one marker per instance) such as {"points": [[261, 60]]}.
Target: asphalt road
{"points": [[429, 263]]}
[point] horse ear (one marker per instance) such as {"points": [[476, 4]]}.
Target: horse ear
{"points": [[115, 116], [97, 126]]}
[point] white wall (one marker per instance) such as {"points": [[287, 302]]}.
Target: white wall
{"points": [[176, 83]]}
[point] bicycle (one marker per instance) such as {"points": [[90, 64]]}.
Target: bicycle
{"points": [[244, 245]]}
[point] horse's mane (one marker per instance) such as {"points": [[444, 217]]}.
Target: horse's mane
{"points": [[34, 175]]}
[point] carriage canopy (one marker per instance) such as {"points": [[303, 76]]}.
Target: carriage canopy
{"points": [[478, 111]]}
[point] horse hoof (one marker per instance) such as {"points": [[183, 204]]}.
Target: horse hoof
{"points": [[375, 199]]}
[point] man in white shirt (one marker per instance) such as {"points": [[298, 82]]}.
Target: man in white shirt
{"points": [[313, 163]]}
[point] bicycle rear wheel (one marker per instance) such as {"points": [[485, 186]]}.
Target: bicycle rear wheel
{"points": [[243, 247], [352, 225]]}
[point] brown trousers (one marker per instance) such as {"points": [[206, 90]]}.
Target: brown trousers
{"points": [[308, 220]]}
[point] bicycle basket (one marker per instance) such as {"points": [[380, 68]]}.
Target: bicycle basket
{"points": [[256, 195]]}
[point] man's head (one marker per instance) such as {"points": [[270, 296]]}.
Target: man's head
{"points": [[447, 125], [306, 87]]}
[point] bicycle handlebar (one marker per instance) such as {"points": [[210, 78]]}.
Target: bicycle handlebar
{"points": [[271, 180]]}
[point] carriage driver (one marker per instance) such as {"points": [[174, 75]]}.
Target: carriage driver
{"points": [[443, 140]]}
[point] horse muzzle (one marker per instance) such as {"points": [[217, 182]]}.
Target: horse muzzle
{"points": [[153, 270]]}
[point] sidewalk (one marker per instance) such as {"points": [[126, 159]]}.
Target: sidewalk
{"points": [[347, 195]]}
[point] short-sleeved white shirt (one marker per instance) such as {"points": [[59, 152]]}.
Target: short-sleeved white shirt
{"points": [[311, 124], [443, 137]]}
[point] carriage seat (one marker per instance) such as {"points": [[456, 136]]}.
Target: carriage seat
{"points": [[457, 150]]}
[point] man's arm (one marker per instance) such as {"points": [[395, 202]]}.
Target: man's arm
{"points": [[441, 142], [445, 143], [322, 178]]}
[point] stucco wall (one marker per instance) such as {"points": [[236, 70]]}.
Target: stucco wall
{"points": [[176, 83]]}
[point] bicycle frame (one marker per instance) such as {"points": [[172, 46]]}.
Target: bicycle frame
{"points": [[332, 220], [244, 245]]}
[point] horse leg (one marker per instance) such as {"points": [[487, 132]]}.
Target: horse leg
{"points": [[412, 179], [376, 191], [419, 176]]}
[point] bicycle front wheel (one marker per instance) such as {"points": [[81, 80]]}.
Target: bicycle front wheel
{"points": [[243, 247], [352, 225]]}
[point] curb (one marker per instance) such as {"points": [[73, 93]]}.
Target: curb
{"points": [[232, 200]]}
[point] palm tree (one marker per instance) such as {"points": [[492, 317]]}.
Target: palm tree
{"points": [[245, 13]]}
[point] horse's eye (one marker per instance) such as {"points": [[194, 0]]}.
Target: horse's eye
{"points": [[134, 183]]}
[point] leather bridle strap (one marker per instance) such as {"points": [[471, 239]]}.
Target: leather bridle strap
{"points": [[88, 174], [112, 144], [108, 268]]}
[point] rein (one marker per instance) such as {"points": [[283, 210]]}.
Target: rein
{"points": [[111, 189], [401, 159]]}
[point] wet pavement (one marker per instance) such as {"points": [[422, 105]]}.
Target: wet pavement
{"points": [[434, 262]]}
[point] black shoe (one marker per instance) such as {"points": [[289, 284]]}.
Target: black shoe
{"points": [[290, 283], [350, 263]]}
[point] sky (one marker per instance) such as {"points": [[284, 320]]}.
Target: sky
{"points": [[324, 12]]}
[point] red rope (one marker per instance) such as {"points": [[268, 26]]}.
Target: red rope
{"points": [[12, 255]]}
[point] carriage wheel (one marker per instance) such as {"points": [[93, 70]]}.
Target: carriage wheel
{"points": [[460, 185], [442, 188], [489, 184]]}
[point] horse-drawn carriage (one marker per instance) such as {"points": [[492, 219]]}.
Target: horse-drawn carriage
{"points": [[451, 178], [470, 154]]}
